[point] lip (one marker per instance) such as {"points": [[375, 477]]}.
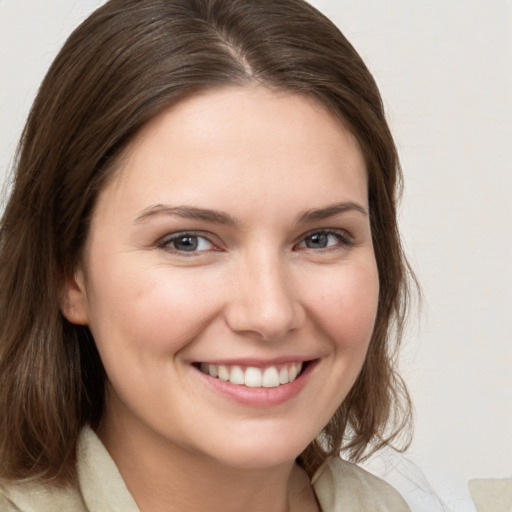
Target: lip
{"points": [[259, 397]]}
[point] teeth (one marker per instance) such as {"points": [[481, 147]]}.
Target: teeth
{"points": [[237, 376], [223, 372], [212, 370], [252, 377], [270, 378]]}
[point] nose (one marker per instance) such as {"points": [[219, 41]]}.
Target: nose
{"points": [[264, 300]]}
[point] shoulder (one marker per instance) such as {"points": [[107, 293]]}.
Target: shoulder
{"points": [[31, 497], [343, 486]]}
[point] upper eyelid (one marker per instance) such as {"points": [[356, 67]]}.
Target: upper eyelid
{"points": [[185, 232]]}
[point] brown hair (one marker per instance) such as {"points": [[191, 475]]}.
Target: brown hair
{"points": [[127, 62]]}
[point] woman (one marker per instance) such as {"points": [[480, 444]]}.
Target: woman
{"points": [[200, 268]]}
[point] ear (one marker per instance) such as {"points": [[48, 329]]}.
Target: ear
{"points": [[74, 304]]}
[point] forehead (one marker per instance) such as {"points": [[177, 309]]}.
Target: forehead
{"points": [[243, 141]]}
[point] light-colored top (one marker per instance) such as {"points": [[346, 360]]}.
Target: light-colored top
{"points": [[492, 494], [339, 485]]}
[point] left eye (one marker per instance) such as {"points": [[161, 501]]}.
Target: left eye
{"points": [[187, 242], [323, 240]]}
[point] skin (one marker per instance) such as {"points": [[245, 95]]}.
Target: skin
{"points": [[273, 282]]}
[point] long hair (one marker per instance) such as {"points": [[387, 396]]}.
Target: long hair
{"points": [[125, 64]]}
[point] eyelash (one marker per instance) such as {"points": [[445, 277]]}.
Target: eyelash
{"points": [[344, 240]]}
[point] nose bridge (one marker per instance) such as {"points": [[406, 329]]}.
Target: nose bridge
{"points": [[265, 301]]}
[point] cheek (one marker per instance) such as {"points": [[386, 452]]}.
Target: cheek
{"points": [[343, 307], [347, 306], [150, 311]]}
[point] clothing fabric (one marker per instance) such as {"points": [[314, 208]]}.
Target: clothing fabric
{"points": [[339, 485], [492, 494]]}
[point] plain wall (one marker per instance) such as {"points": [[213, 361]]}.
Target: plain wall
{"points": [[445, 71]]}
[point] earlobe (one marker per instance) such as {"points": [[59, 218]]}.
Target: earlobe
{"points": [[74, 304]]}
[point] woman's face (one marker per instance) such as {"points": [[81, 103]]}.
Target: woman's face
{"points": [[231, 250]]}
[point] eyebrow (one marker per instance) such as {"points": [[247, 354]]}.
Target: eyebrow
{"points": [[330, 211], [187, 212], [218, 217]]}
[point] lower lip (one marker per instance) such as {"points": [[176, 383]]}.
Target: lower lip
{"points": [[259, 397]]}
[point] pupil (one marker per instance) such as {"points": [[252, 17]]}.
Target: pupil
{"points": [[317, 240], [186, 243]]}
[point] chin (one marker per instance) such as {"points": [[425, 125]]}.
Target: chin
{"points": [[261, 451]]}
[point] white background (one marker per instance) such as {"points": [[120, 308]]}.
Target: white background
{"points": [[445, 71]]}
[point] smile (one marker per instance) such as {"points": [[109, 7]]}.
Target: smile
{"points": [[253, 377]]}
